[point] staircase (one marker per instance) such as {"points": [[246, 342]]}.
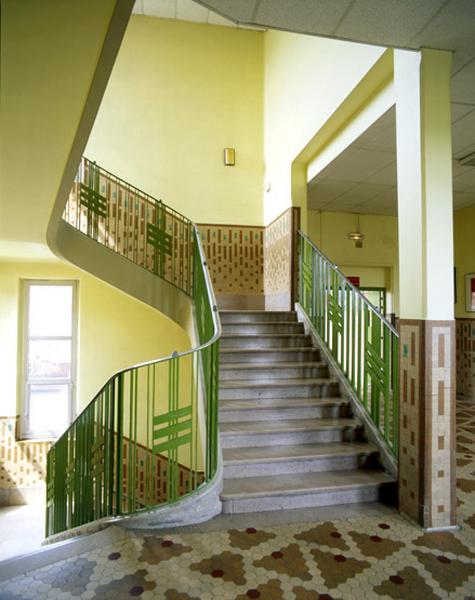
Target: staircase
{"points": [[289, 438]]}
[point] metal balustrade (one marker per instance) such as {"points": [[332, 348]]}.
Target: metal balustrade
{"points": [[149, 437], [363, 343]]}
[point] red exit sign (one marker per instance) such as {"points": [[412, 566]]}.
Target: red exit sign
{"points": [[354, 280]]}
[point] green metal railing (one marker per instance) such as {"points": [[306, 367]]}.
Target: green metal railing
{"points": [[143, 440], [362, 342]]}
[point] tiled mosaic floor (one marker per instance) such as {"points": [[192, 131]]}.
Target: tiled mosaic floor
{"points": [[359, 558]]}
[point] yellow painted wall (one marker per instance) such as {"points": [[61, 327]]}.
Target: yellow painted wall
{"points": [[179, 93], [49, 54], [376, 263], [115, 330], [306, 78], [464, 255]]}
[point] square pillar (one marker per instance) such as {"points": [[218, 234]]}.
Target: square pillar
{"points": [[427, 332]]}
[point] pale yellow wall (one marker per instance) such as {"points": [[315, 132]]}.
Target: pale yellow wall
{"points": [[376, 262], [369, 276], [115, 330], [306, 78], [49, 55], [179, 93], [464, 255]]}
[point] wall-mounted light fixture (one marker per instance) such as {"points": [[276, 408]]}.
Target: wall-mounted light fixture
{"points": [[357, 236], [229, 157]]}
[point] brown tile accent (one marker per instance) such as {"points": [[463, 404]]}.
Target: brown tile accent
{"points": [[127, 586], [248, 538], [22, 464], [465, 334], [441, 350], [324, 534], [286, 561], [443, 542], [441, 398], [406, 584], [449, 573], [156, 550], [229, 565], [337, 568], [374, 545], [427, 367], [270, 590]]}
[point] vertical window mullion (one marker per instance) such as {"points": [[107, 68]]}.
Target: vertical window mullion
{"points": [[49, 358]]}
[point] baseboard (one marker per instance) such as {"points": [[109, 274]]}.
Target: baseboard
{"points": [[240, 301], [20, 496], [279, 301]]}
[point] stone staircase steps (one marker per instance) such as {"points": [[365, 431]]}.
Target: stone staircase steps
{"points": [[268, 356], [289, 432], [279, 388], [257, 328], [306, 458], [289, 438], [303, 490], [270, 340], [249, 316], [277, 409], [268, 373]]}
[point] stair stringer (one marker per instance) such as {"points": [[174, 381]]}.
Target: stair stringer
{"points": [[85, 253], [387, 459]]}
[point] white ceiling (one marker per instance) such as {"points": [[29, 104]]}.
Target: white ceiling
{"points": [[362, 179], [183, 10], [413, 24]]}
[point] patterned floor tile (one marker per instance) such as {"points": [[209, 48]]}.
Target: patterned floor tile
{"points": [[349, 559]]}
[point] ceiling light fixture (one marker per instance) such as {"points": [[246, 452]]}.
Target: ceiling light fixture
{"points": [[357, 236]]}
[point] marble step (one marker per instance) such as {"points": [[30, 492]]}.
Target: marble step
{"points": [[289, 432], [272, 409], [303, 490], [270, 340], [267, 355], [285, 388], [268, 373], [251, 316], [305, 458], [265, 327]]}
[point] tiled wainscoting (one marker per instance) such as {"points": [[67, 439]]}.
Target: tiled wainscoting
{"points": [[235, 257], [22, 465], [466, 358], [251, 267], [280, 260], [427, 422]]}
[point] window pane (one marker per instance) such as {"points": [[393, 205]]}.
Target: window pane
{"points": [[50, 310], [48, 408], [49, 358]]}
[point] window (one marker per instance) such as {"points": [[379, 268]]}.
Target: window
{"points": [[49, 357]]}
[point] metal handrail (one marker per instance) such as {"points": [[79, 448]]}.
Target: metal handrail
{"points": [[364, 345], [101, 424], [350, 284]]}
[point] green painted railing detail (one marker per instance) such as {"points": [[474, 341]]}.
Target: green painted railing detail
{"points": [[137, 445], [363, 343], [93, 201]]}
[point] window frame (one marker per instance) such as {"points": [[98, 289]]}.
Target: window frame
{"points": [[26, 433]]}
